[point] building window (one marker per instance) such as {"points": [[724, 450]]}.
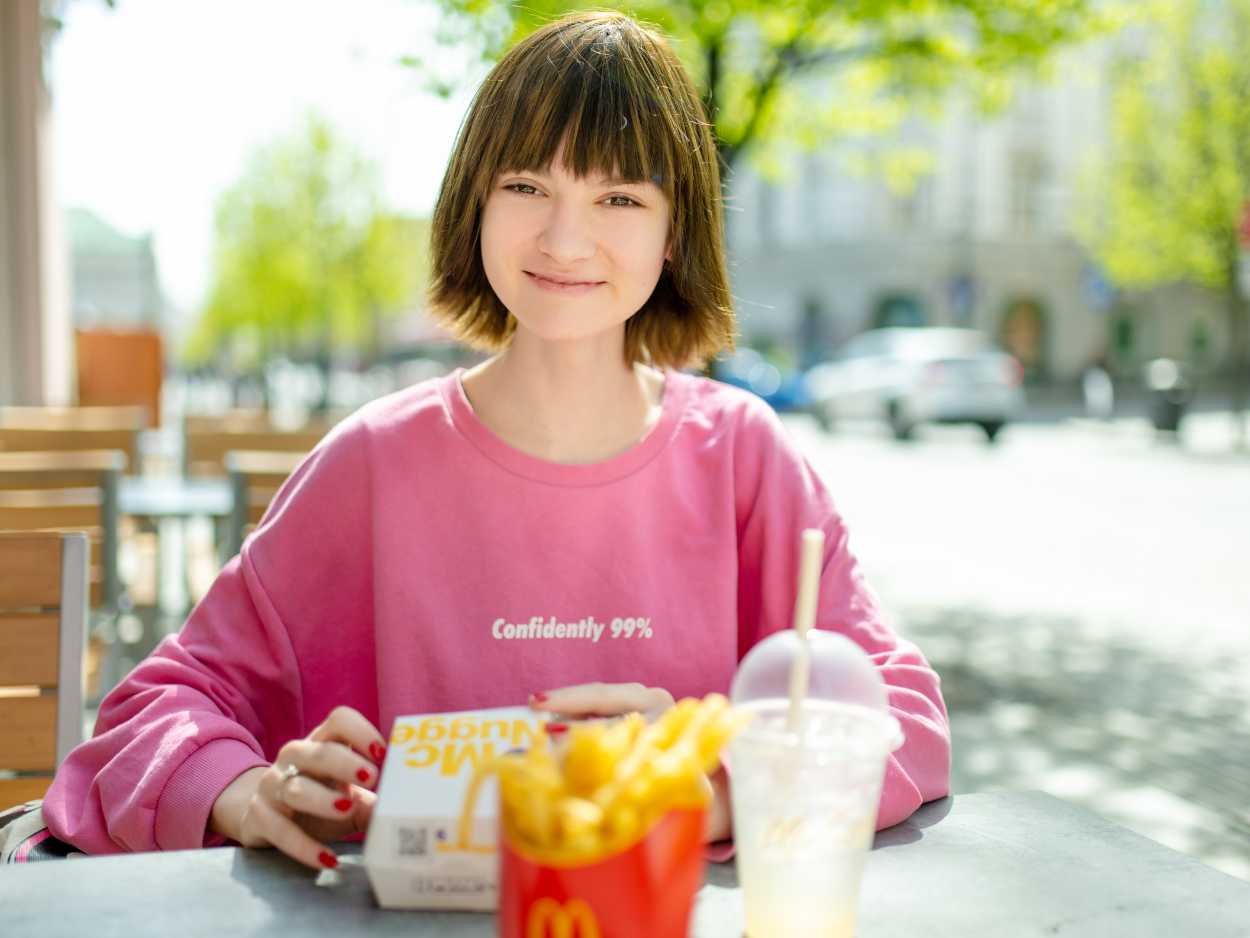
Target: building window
{"points": [[899, 309], [1023, 334], [910, 210], [813, 196], [1027, 179]]}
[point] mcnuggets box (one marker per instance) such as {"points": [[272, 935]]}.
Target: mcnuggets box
{"points": [[417, 853]]}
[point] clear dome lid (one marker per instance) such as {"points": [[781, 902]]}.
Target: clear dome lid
{"points": [[839, 671]]}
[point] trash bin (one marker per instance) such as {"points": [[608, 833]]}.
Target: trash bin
{"points": [[1170, 393]]}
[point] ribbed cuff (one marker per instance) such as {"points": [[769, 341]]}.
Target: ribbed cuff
{"points": [[184, 807]]}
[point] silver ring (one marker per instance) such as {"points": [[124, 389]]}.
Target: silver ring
{"points": [[285, 776]]}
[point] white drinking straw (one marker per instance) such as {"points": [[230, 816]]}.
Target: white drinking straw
{"points": [[804, 618]]}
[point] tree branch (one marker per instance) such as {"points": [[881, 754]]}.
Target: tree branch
{"points": [[790, 60], [764, 88]]}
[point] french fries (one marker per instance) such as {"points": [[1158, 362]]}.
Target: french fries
{"points": [[601, 789]]}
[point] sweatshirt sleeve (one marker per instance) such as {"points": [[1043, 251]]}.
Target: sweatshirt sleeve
{"points": [[226, 692], [778, 495]]}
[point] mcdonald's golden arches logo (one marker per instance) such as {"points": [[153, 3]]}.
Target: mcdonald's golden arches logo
{"points": [[549, 919]]}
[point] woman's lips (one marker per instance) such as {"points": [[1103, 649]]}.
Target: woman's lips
{"points": [[552, 286]]}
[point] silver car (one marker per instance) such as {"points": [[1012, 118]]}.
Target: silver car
{"points": [[910, 376]]}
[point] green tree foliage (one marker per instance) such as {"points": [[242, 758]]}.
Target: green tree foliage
{"points": [[776, 74], [1172, 187], [305, 260]]}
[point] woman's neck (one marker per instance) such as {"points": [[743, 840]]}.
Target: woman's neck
{"points": [[565, 402]]}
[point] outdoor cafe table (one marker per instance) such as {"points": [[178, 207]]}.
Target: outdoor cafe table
{"points": [[156, 497], [165, 502], [1007, 865]]}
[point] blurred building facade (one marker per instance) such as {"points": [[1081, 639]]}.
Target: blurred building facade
{"points": [[115, 282], [984, 240]]}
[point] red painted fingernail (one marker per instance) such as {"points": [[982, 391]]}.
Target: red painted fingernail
{"points": [[362, 774], [557, 727], [378, 751], [540, 697], [343, 804], [328, 860]]}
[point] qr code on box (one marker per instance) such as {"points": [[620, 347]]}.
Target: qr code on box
{"points": [[414, 842]]}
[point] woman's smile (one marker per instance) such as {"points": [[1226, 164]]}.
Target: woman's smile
{"points": [[568, 289]]}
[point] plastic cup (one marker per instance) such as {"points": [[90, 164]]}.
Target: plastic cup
{"points": [[805, 801]]}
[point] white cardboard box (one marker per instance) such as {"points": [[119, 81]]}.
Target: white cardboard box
{"points": [[413, 852]]}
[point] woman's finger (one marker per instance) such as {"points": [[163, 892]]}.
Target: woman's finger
{"points": [[348, 725], [285, 835], [598, 699], [354, 821], [333, 761], [305, 794]]}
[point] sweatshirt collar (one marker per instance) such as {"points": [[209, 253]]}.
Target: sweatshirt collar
{"points": [[514, 460]]}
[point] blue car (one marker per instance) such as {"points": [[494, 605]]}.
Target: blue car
{"points": [[747, 368]]}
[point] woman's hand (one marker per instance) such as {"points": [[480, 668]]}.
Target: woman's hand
{"points": [[596, 701], [599, 701], [329, 798]]}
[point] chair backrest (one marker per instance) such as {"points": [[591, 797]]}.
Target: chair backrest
{"points": [[120, 366], [68, 491], [207, 446], [255, 477], [123, 417], [43, 614], [69, 439]]}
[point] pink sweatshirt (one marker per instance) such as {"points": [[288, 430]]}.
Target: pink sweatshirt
{"points": [[417, 563]]}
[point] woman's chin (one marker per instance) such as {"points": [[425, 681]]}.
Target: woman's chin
{"points": [[570, 332]]}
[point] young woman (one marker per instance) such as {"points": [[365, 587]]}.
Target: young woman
{"points": [[575, 522]]}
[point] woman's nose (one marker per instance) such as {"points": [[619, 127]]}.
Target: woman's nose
{"points": [[566, 237]]}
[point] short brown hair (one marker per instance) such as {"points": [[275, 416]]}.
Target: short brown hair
{"points": [[628, 108]]}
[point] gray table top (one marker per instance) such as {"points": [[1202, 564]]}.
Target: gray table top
{"points": [[1014, 864], [174, 497]]}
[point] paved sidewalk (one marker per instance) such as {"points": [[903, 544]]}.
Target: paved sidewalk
{"points": [[1155, 741]]}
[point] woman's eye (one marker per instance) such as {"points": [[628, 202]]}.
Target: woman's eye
{"points": [[616, 201]]}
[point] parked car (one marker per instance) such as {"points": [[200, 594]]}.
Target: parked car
{"points": [[910, 376], [747, 368]]}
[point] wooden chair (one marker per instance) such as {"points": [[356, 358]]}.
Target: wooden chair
{"points": [[69, 439], [91, 429], [119, 367], [206, 446], [122, 417], [75, 491], [43, 612], [255, 477], [239, 420]]}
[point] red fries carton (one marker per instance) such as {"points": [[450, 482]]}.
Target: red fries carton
{"points": [[645, 891]]}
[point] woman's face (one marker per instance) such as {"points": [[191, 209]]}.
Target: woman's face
{"points": [[605, 240]]}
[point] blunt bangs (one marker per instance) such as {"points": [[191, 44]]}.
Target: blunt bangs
{"points": [[588, 97]]}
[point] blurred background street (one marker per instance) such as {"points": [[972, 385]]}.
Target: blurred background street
{"points": [[1080, 587]]}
